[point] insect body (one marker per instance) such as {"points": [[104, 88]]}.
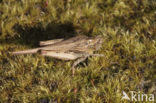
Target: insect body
{"points": [[79, 47]]}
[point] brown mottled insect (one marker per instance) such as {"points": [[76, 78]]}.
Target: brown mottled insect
{"points": [[76, 48]]}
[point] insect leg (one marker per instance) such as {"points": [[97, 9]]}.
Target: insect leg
{"points": [[100, 55], [76, 63]]}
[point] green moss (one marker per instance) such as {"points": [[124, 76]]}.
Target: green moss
{"points": [[127, 26]]}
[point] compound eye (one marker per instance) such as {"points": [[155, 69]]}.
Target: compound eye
{"points": [[90, 41]]}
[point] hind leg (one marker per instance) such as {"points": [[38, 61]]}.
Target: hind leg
{"points": [[76, 63]]}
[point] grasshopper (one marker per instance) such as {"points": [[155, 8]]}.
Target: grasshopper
{"points": [[76, 48]]}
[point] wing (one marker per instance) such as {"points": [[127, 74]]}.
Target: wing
{"points": [[49, 42], [65, 45]]}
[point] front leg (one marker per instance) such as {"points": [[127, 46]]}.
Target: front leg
{"points": [[77, 62]]}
